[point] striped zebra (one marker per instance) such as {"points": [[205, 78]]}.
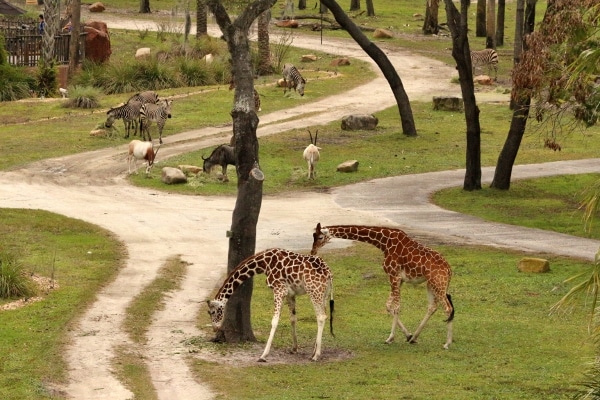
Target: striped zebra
{"points": [[154, 113], [487, 58], [293, 79], [149, 96], [256, 96], [129, 113]]}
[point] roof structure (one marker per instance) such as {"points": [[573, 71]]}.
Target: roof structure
{"points": [[8, 9]]}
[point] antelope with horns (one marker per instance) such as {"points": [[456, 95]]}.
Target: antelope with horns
{"points": [[139, 150], [311, 155]]}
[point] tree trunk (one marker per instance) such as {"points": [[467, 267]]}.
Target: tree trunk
{"points": [[74, 43], [301, 4], [51, 19], [264, 51], [144, 7], [406, 116], [323, 8], [490, 38], [520, 104], [201, 19], [480, 24], [370, 8], [457, 23], [430, 25], [237, 325], [500, 23], [354, 5]]}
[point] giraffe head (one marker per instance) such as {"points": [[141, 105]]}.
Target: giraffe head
{"points": [[320, 238], [216, 310]]}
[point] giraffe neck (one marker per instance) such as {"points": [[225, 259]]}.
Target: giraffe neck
{"points": [[246, 270], [377, 236]]}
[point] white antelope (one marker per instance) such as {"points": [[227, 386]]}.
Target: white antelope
{"points": [[311, 155], [139, 150]]}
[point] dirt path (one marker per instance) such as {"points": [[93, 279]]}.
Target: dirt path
{"points": [[157, 225]]}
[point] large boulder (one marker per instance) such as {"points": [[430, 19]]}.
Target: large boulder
{"points": [[97, 42], [170, 175], [97, 7], [348, 166], [448, 103], [382, 34], [357, 122], [532, 264], [142, 52]]}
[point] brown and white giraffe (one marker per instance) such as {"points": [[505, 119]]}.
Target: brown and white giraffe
{"points": [[405, 260], [288, 274]]}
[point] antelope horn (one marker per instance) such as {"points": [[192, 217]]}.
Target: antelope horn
{"points": [[316, 133], [310, 134]]}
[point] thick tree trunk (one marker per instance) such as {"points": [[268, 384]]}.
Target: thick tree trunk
{"points": [[144, 7], [264, 51], [237, 325], [354, 5], [500, 23], [480, 24], [431, 25], [406, 116], [201, 19], [370, 8], [457, 23], [74, 43], [301, 4], [490, 38]]}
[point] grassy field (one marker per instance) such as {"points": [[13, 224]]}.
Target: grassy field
{"points": [[507, 346]]}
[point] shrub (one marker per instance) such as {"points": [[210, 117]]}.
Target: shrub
{"points": [[83, 97], [15, 83], [47, 79], [13, 282]]}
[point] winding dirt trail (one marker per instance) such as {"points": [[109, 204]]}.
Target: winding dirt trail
{"points": [[157, 225]]}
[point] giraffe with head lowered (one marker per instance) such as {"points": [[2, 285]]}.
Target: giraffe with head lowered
{"points": [[288, 274], [405, 260]]}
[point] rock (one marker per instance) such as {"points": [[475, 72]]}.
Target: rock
{"points": [[190, 169], [172, 175], [447, 103], [97, 7], [483, 80], [348, 166], [97, 42], [338, 62], [531, 264], [142, 52], [359, 122], [281, 82], [382, 34], [308, 58], [208, 58], [98, 132]]}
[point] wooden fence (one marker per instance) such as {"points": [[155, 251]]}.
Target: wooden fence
{"points": [[24, 44]]}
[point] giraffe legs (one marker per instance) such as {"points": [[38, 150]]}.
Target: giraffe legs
{"points": [[321, 318], [292, 305], [393, 307], [274, 322]]}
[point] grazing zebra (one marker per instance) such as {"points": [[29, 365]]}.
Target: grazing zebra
{"points": [[256, 96], [154, 113], [485, 57], [129, 113], [293, 79], [148, 96]]}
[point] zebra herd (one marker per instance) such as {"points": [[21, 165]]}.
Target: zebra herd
{"points": [[142, 109]]}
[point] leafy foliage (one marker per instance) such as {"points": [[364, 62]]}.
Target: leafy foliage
{"points": [[47, 79]]}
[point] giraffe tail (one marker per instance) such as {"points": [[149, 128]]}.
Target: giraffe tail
{"points": [[331, 304], [451, 316]]}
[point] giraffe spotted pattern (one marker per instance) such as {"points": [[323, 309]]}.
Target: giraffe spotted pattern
{"points": [[405, 260], [288, 274]]}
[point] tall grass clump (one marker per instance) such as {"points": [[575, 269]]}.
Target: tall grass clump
{"points": [[13, 281], [83, 97], [15, 84], [194, 72]]}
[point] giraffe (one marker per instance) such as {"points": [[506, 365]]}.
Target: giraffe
{"points": [[288, 274], [405, 260]]}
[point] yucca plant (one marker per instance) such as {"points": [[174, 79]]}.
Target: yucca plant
{"points": [[13, 281], [83, 97]]}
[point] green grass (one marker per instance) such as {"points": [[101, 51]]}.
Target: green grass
{"points": [[506, 345], [82, 258]]}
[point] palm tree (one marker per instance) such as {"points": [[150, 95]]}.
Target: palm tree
{"points": [[264, 51]]}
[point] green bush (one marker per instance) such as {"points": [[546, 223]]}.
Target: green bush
{"points": [[13, 282], [15, 84], [47, 79], [83, 97]]}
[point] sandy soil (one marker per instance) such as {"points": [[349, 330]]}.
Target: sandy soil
{"points": [[157, 225]]}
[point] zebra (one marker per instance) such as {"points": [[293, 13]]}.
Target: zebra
{"points": [[485, 57], [154, 113], [293, 79], [148, 96], [256, 96], [129, 113]]}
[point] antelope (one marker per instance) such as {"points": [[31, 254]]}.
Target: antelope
{"points": [[311, 155], [139, 150]]}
